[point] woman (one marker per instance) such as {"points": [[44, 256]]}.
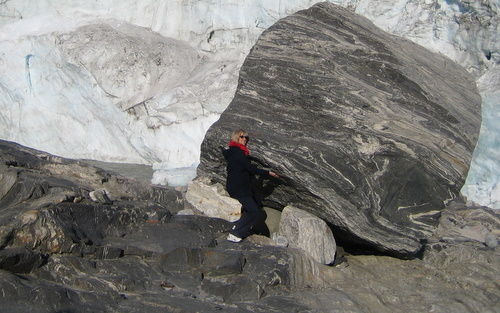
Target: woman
{"points": [[239, 177]]}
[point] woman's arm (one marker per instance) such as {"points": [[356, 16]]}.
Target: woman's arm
{"points": [[248, 166]]}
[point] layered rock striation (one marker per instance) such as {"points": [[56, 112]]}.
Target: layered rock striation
{"points": [[371, 132]]}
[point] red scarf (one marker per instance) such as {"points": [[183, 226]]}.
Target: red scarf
{"points": [[239, 145]]}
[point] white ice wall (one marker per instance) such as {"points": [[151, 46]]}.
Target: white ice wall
{"points": [[235, 23]]}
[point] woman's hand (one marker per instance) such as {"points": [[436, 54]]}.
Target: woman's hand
{"points": [[273, 174]]}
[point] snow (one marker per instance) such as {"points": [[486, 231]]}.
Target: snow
{"points": [[142, 81]]}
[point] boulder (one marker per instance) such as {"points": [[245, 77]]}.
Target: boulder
{"points": [[100, 196], [273, 218], [212, 200], [459, 223], [370, 132], [279, 240], [309, 233]]}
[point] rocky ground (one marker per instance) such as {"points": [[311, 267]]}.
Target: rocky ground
{"points": [[65, 247], [139, 172]]}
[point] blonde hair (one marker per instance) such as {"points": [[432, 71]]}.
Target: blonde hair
{"points": [[237, 133]]}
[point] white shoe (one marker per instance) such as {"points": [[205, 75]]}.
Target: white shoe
{"points": [[233, 238]]}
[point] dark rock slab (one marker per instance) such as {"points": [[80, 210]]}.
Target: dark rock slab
{"points": [[25, 294], [20, 260], [222, 263], [479, 226], [77, 227], [233, 288], [370, 132], [161, 238], [78, 176], [210, 262], [210, 273], [45, 204]]}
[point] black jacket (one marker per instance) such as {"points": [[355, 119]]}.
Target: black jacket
{"points": [[240, 172]]}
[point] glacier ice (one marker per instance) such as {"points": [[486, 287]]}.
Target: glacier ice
{"points": [[483, 180], [142, 81]]}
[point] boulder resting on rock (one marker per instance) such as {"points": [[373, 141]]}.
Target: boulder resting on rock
{"points": [[370, 132], [309, 233]]}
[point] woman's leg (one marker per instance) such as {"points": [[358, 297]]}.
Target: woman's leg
{"points": [[260, 227], [251, 215]]}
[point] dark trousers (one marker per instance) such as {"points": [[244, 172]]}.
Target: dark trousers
{"points": [[252, 219]]}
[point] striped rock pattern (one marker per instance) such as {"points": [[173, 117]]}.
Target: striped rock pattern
{"points": [[372, 133]]}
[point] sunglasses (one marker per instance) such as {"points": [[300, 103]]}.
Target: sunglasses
{"points": [[245, 137]]}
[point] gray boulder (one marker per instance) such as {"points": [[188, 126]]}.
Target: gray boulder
{"points": [[371, 133], [212, 200], [479, 226], [309, 233], [100, 196], [273, 218]]}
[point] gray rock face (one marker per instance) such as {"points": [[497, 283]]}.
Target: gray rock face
{"points": [[370, 132]]}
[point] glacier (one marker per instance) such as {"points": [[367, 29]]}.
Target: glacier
{"points": [[142, 81]]}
